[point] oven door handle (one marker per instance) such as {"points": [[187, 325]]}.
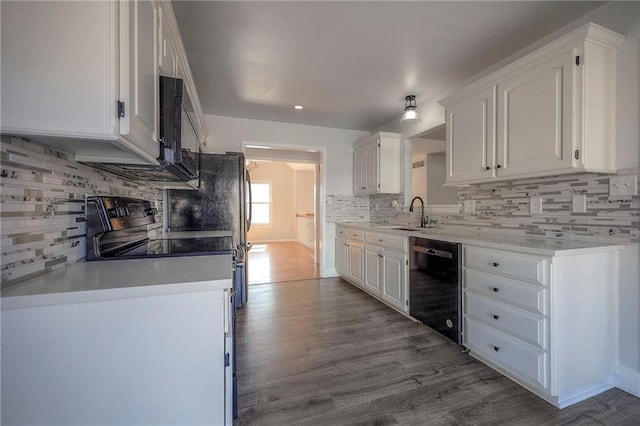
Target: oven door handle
{"points": [[432, 252]]}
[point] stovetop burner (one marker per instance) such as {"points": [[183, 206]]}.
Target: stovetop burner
{"points": [[180, 247]]}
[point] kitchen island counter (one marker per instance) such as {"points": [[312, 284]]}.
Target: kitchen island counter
{"points": [[114, 279]]}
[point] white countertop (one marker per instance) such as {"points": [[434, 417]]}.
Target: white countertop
{"points": [[527, 244], [114, 279]]}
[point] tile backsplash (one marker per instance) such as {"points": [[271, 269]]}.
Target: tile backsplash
{"points": [[504, 207], [42, 213]]}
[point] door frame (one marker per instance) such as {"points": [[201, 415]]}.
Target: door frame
{"points": [[321, 181]]}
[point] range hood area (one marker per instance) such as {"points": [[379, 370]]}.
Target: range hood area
{"points": [[170, 175]]}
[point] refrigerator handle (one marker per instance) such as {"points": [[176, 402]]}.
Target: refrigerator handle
{"points": [[250, 201]]}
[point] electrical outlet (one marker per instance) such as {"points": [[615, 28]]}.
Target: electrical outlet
{"points": [[578, 203], [469, 206], [535, 205], [623, 186]]}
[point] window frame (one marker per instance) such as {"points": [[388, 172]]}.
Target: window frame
{"points": [[269, 203]]}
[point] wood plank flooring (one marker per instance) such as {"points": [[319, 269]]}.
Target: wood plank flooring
{"points": [[281, 261], [321, 352]]}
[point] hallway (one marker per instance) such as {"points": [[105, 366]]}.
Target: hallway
{"points": [[281, 261]]}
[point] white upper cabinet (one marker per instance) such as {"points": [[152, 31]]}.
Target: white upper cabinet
{"points": [[376, 164], [550, 112], [83, 76], [139, 73], [536, 118], [470, 125], [167, 53]]}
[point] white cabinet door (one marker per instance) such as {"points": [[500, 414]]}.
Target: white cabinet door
{"points": [[342, 257], [59, 69], [372, 167], [394, 266], [372, 266], [359, 171], [167, 53], [356, 262], [536, 118], [471, 138], [139, 74]]}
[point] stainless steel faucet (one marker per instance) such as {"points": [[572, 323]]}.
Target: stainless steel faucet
{"points": [[423, 219]]}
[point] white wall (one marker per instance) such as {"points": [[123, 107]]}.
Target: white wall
{"points": [[282, 227], [231, 134], [305, 182]]}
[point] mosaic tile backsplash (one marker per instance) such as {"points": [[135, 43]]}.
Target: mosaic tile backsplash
{"points": [[504, 207], [42, 207]]}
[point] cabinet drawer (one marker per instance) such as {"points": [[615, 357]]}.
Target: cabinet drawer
{"points": [[356, 234], [515, 292], [524, 325], [528, 267], [342, 233], [396, 242], [526, 362]]}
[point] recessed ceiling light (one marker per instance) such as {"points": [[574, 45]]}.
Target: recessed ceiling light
{"points": [[298, 107]]}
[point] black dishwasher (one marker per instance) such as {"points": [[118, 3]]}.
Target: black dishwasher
{"points": [[435, 285]]}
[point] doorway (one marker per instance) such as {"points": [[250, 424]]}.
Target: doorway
{"points": [[285, 226]]}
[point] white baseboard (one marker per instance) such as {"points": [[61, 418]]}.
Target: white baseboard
{"points": [[308, 244], [285, 240], [628, 380]]}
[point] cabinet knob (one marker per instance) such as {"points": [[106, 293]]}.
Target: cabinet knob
{"points": [[488, 168], [495, 289], [496, 348], [498, 166], [496, 317], [495, 265]]}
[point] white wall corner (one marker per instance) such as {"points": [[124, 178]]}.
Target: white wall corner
{"points": [[628, 380]]}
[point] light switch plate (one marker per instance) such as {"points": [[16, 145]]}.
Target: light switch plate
{"points": [[469, 206], [578, 203], [623, 186], [535, 205]]}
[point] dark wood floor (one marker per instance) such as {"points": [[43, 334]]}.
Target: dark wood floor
{"points": [[321, 352]]}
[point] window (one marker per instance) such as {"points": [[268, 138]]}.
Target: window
{"points": [[261, 203]]}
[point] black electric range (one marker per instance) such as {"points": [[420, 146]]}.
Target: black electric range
{"points": [[117, 229]]}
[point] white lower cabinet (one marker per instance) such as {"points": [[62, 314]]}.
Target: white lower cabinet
{"points": [[342, 256], [394, 279], [372, 279], [546, 322], [385, 275], [376, 262], [122, 356], [356, 262]]}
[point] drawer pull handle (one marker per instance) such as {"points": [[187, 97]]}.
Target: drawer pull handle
{"points": [[496, 348], [495, 264], [495, 289], [496, 317], [380, 241]]}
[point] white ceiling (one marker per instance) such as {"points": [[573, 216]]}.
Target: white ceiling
{"points": [[350, 63]]}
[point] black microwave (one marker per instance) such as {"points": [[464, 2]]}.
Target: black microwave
{"points": [[179, 159]]}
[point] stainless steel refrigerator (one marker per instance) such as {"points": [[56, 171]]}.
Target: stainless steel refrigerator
{"points": [[222, 203]]}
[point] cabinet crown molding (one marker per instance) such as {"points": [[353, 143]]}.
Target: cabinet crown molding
{"points": [[592, 33]]}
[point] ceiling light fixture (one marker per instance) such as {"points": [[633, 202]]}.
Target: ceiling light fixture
{"points": [[298, 107], [410, 115]]}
